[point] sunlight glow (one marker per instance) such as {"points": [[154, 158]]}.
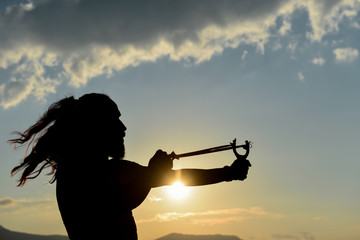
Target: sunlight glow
{"points": [[178, 191]]}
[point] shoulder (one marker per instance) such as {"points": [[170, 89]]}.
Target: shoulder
{"points": [[126, 170], [124, 164]]}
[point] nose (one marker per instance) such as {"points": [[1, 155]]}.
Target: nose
{"points": [[122, 125]]}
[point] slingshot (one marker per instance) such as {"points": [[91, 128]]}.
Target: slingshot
{"points": [[245, 146]]}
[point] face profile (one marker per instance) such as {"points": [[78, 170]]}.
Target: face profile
{"points": [[98, 124], [114, 137]]}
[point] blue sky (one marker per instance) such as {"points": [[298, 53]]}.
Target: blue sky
{"points": [[187, 76]]}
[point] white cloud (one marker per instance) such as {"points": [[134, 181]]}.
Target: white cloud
{"points": [[318, 61], [28, 78], [285, 28], [100, 37], [325, 16], [355, 25], [14, 92], [217, 221], [346, 54], [10, 205], [243, 56], [214, 217], [7, 202], [301, 76], [154, 199], [276, 46], [292, 47]]}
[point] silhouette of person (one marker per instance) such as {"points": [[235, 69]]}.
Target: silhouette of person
{"points": [[83, 141]]}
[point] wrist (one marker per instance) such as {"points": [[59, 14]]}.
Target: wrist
{"points": [[228, 176]]}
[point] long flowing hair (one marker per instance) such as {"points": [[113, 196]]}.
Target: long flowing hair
{"points": [[41, 138], [62, 130]]}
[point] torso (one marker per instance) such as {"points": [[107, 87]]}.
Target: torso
{"points": [[97, 202]]}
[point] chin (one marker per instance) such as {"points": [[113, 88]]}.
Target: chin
{"points": [[119, 154]]}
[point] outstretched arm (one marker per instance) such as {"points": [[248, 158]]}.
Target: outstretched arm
{"points": [[192, 177], [159, 173]]}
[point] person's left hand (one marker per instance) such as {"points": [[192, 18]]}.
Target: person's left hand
{"points": [[240, 169]]}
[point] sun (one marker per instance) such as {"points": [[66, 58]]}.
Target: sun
{"points": [[178, 191]]}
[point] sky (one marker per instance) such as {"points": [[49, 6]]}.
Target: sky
{"points": [[189, 75]]}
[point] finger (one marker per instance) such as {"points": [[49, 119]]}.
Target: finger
{"points": [[248, 163], [160, 153], [157, 153], [173, 155]]}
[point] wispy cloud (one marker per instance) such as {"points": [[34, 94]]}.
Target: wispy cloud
{"points": [[45, 44], [243, 56], [214, 217], [217, 221], [276, 46], [11, 205], [346, 54], [318, 61], [7, 202], [285, 28], [301, 76], [292, 47], [153, 198]]}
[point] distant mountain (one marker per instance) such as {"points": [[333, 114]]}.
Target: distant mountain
{"points": [[178, 236], [6, 234]]}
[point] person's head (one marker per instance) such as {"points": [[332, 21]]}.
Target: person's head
{"points": [[73, 129], [95, 127]]}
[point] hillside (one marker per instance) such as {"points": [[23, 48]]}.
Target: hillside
{"points": [[178, 236], [6, 234]]}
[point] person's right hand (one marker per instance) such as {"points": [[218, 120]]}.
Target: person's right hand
{"points": [[161, 162], [240, 169]]}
